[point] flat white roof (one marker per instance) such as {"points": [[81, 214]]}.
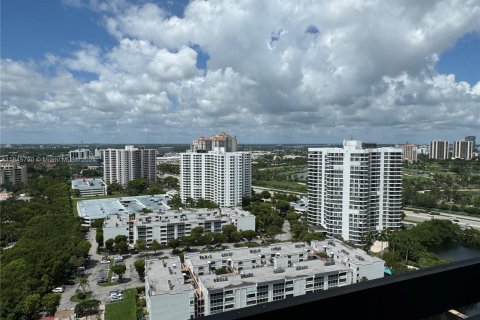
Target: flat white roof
{"points": [[88, 183], [166, 277], [267, 274], [100, 208]]}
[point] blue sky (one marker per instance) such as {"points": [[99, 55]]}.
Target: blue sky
{"points": [[197, 68], [462, 59]]}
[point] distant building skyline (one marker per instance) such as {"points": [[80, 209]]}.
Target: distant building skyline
{"points": [[222, 140]]}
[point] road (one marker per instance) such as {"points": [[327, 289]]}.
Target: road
{"points": [[286, 235], [462, 220], [93, 269]]}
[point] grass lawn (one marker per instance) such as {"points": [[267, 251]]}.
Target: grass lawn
{"points": [[75, 298], [123, 310], [286, 185]]}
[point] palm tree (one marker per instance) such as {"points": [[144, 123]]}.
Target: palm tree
{"points": [[383, 236], [83, 283]]}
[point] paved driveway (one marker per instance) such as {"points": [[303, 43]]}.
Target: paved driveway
{"points": [[93, 269]]}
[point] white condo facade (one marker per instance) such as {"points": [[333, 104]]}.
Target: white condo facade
{"points": [[123, 165], [88, 187], [352, 190], [462, 150], [251, 276], [167, 225], [438, 150], [410, 152], [219, 176], [13, 172]]}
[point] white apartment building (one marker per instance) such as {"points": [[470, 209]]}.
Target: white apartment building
{"points": [[79, 154], [252, 276], [90, 187], [352, 190], [89, 210], [409, 152], [462, 150], [164, 226], [438, 150], [219, 176], [168, 294], [123, 165], [13, 172], [222, 140]]}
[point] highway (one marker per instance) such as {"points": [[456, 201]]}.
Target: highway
{"points": [[463, 221]]}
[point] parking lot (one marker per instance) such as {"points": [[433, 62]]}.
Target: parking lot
{"points": [[94, 269]]}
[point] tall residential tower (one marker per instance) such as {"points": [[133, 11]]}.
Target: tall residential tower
{"points": [[352, 190], [463, 150], [219, 176], [222, 140], [123, 165], [438, 150]]}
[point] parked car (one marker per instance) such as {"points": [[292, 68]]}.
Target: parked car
{"points": [[105, 262], [101, 279], [116, 297], [58, 290], [69, 282]]}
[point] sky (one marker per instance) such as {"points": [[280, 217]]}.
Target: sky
{"points": [[285, 71]]}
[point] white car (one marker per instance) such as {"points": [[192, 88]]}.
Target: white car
{"points": [[58, 290], [116, 297]]}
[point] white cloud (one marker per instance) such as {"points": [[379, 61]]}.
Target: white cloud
{"points": [[308, 71]]}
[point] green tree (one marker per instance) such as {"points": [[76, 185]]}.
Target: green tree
{"points": [[189, 202], [141, 244], [109, 245], [236, 236], [155, 246], [273, 230], [228, 230], [175, 202], [203, 203], [155, 189], [115, 187], [99, 238], [292, 216], [249, 234], [31, 305], [119, 269], [173, 243], [51, 301], [265, 194], [121, 247], [83, 283], [120, 238], [282, 205], [140, 268], [219, 238], [197, 232], [170, 182], [87, 307], [137, 186]]}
